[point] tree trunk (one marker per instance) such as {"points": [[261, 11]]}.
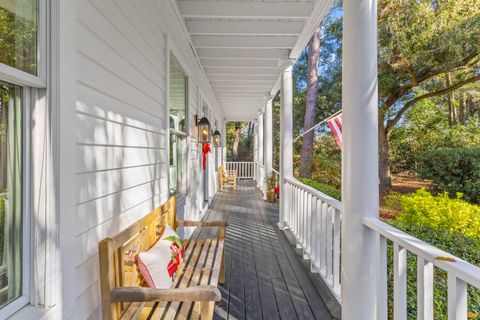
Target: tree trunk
{"points": [[384, 161], [462, 119], [451, 108], [310, 109], [236, 142]]}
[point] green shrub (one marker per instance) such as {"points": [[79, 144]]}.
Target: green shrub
{"points": [[452, 225], [464, 247], [453, 170], [330, 190], [439, 212]]}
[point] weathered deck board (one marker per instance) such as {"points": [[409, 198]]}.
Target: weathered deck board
{"points": [[263, 277]]}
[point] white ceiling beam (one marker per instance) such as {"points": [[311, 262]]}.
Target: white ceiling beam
{"points": [[245, 71], [244, 9], [321, 9], [264, 88], [240, 103], [253, 89], [242, 84], [245, 27], [226, 77], [240, 92], [269, 42], [225, 53], [241, 63]]}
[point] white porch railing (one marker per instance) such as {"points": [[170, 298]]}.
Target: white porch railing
{"points": [[245, 170], [460, 274], [315, 220]]}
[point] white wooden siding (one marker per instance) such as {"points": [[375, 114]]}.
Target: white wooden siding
{"points": [[121, 133]]}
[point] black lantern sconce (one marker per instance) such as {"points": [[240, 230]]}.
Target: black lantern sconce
{"points": [[217, 139], [203, 130]]}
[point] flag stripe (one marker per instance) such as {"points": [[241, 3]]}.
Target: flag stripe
{"points": [[335, 125]]}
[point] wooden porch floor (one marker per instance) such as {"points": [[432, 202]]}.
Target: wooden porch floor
{"points": [[265, 278]]}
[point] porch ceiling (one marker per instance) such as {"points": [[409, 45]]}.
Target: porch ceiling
{"points": [[244, 45]]}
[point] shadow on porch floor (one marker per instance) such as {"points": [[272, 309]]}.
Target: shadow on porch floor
{"points": [[266, 277]]}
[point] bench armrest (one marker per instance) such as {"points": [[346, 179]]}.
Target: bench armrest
{"points": [[140, 294], [191, 223]]}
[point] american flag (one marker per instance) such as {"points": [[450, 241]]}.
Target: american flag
{"points": [[335, 125]]}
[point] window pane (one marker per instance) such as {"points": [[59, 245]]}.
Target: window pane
{"points": [[10, 192], [178, 96], [177, 165], [18, 34]]}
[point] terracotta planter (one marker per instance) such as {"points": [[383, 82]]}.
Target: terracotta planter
{"points": [[271, 196]]}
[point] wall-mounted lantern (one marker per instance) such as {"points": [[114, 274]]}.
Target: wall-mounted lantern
{"points": [[203, 130], [217, 138]]}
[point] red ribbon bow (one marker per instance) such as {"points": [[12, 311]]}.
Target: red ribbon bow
{"points": [[205, 150]]}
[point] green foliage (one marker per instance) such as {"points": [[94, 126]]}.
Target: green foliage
{"points": [[327, 161], [329, 190], [453, 170], [464, 247], [455, 216], [426, 128], [452, 225], [245, 146], [270, 181], [422, 38], [18, 40]]}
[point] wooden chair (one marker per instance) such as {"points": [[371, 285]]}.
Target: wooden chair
{"points": [[194, 291], [227, 178]]}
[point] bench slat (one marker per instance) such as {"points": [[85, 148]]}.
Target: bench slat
{"points": [[206, 272], [217, 265], [185, 306], [183, 277]]}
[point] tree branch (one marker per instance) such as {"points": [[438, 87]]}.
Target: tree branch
{"points": [[427, 75], [437, 93]]}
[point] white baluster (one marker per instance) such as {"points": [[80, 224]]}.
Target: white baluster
{"points": [[313, 232], [336, 250], [424, 289], [457, 298], [329, 248], [318, 237], [323, 240], [399, 282], [382, 293]]}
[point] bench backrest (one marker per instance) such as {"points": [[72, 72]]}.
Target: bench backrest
{"points": [[117, 254]]}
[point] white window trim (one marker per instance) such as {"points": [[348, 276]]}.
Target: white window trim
{"points": [[169, 51], [35, 94]]}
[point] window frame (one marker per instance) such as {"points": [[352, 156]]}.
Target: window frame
{"points": [[170, 131], [31, 87]]}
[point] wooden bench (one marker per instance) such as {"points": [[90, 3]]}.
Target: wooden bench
{"points": [[194, 291], [227, 178]]}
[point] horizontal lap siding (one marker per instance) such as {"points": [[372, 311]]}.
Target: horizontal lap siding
{"points": [[121, 167], [122, 160]]}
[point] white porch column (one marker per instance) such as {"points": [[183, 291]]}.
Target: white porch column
{"points": [[360, 158], [268, 138], [286, 143], [261, 172], [255, 149]]}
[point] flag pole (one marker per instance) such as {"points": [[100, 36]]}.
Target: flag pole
{"points": [[318, 124]]}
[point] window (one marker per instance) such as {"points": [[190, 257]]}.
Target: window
{"points": [[10, 193], [177, 167], [18, 34], [178, 96], [177, 115]]}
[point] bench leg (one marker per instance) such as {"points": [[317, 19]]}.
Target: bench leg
{"points": [[206, 310], [221, 278]]}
